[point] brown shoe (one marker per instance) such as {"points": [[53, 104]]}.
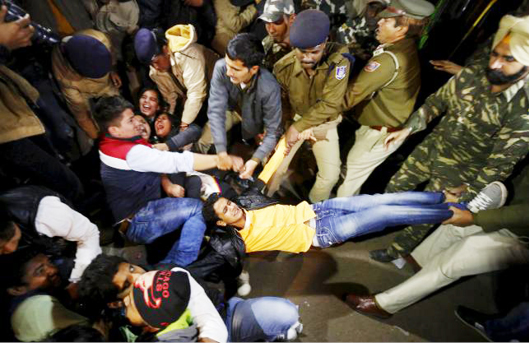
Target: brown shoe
{"points": [[366, 305]]}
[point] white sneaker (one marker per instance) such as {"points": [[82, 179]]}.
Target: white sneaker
{"points": [[243, 282], [294, 331], [491, 197]]}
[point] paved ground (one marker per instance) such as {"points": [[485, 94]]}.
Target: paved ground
{"points": [[315, 281]]}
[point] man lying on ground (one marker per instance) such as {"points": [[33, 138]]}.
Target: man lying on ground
{"points": [[330, 222], [170, 305]]}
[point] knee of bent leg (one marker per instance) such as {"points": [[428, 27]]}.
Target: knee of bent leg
{"points": [[330, 175], [277, 317]]}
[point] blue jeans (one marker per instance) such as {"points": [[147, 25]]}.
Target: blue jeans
{"points": [[513, 326], [260, 319], [160, 217], [340, 219]]}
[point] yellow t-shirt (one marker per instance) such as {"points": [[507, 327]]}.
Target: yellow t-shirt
{"points": [[279, 227]]}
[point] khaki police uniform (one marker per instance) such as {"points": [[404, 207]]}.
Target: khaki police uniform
{"points": [[382, 96], [316, 102]]}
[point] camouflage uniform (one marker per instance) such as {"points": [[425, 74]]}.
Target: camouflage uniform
{"points": [[273, 52], [335, 9], [479, 140], [274, 10], [358, 37]]}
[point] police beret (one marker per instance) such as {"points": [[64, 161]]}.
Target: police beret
{"points": [[310, 29], [145, 45], [416, 9], [88, 56]]}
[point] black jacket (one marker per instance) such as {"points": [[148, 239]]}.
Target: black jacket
{"points": [[22, 204]]}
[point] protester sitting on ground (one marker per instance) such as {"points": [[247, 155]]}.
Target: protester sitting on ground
{"points": [[169, 135], [130, 171], [151, 103], [39, 302], [468, 244], [143, 126], [297, 228], [186, 311], [36, 216]]}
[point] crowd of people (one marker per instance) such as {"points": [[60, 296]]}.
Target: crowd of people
{"points": [[181, 120]]}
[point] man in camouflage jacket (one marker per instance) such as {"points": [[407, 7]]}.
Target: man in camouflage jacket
{"points": [[482, 136]]}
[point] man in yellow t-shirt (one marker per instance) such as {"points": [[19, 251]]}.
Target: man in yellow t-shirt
{"points": [[297, 228]]}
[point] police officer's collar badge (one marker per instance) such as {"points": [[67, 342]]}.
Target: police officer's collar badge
{"points": [[341, 72]]}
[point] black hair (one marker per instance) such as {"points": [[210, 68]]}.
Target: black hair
{"points": [[161, 41], [77, 333], [15, 266], [208, 212], [7, 225], [108, 110], [247, 48], [96, 287], [161, 100]]}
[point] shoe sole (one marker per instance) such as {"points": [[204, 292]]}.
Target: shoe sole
{"points": [[504, 193], [481, 333]]}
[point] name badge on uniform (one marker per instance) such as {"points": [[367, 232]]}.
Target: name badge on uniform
{"points": [[372, 66], [341, 72]]}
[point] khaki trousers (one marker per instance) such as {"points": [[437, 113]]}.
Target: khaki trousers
{"points": [[450, 253], [206, 140], [327, 153], [367, 153]]}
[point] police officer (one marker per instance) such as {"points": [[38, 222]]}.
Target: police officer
{"points": [[279, 15], [314, 79], [479, 140], [82, 65], [384, 93]]}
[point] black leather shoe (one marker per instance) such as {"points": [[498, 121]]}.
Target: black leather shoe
{"points": [[366, 305], [381, 255], [473, 319]]}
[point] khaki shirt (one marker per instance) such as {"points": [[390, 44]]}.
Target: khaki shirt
{"points": [[17, 119], [232, 19], [378, 104], [78, 90], [191, 72], [317, 99]]}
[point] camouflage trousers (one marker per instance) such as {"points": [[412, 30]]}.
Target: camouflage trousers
{"points": [[425, 164]]}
